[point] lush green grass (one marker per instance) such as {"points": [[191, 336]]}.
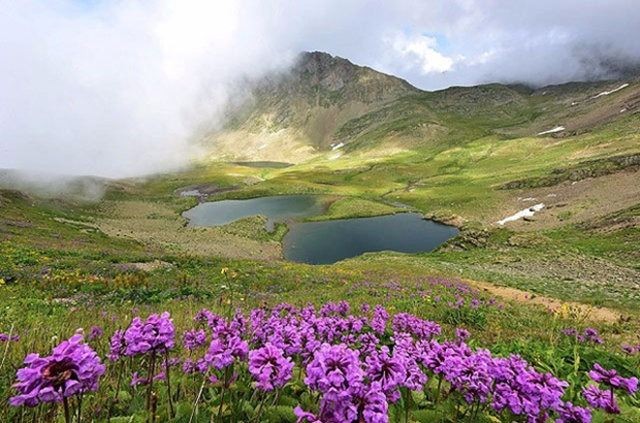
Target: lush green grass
{"points": [[349, 207], [59, 271], [52, 306]]}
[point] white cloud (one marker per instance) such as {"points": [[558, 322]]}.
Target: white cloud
{"points": [[119, 87], [421, 51]]}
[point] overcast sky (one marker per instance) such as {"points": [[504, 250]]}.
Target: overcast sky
{"points": [[117, 88]]}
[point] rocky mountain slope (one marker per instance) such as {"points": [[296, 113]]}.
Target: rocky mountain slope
{"points": [[293, 115], [327, 106]]}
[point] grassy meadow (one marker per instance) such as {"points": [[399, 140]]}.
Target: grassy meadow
{"points": [[67, 264]]}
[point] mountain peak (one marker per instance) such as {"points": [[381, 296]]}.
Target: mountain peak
{"points": [[316, 96], [333, 73]]}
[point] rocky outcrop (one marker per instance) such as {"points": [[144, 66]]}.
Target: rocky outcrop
{"points": [[587, 169]]}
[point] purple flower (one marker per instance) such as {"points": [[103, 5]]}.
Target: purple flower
{"points": [[137, 380], [304, 416], [613, 379], [389, 371], [597, 398], [421, 329], [591, 335], [117, 345], [416, 379], [96, 332], [468, 373], [373, 406], [287, 337], [193, 339], [334, 368], [238, 324], [203, 316], [629, 349], [569, 413], [522, 390], [308, 344], [602, 375], [172, 362], [462, 334], [341, 309], [224, 351], [72, 368], [269, 367], [368, 343], [189, 366], [156, 334], [4, 337], [379, 320]]}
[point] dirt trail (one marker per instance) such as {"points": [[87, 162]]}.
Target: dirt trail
{"points": [[601, 314]]}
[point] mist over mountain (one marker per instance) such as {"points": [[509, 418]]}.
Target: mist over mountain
{"points": [[124, 88]]}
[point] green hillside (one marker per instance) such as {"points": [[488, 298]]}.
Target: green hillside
{"points": [[367, 144]]}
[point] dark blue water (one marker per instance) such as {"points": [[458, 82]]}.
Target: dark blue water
{"points": [[276, 209], [334, 240]]}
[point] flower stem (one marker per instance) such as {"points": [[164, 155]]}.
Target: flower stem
{"points": [[152, 369], [166, 371], [612, 400], [67, 413], [6, 347], [224, 387], [79, 408], [277, 396], [259, 412], [195, 405], [439, 388]]}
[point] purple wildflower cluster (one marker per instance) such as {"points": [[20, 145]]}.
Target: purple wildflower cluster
{"points": [[609, 379], [73, 368], [155, 334], [589, 335], [269, 367], [631, 349], [224, 341], [352, 368]]}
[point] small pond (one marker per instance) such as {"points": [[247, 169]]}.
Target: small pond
{"points": [[276, 209], [334, 240], [331, 240]]}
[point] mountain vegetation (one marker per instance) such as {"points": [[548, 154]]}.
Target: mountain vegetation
{"points": [[536, 319]]}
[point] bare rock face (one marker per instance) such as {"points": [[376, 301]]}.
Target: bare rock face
{"points": [[316, 96], [321, 71]]}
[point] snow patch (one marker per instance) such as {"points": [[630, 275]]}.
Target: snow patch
{"points": [[529, 212], [337, 146], [610, 92], [553, 130], [335, 156], [190, 193], [528, 199]]}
